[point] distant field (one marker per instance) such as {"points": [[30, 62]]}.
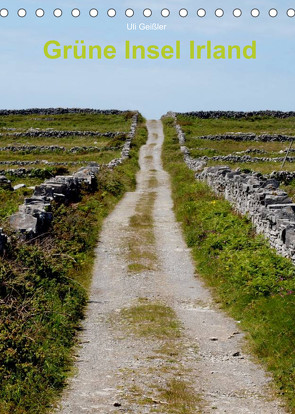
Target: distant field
{"points": [[102, 154], [75, 122], [258, 125], [196, 127]]}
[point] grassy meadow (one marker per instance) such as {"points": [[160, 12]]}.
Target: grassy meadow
{"points": [[196, 127]]}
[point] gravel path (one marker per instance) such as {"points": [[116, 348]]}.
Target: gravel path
{"points": [[117, 371]]}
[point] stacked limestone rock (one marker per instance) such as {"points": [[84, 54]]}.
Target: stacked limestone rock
{"points": [[35, 216], [270, 209], [45, 162], [238, 115], [283, 176], [125, 153], [246, 158], [241, 136], [60, 111], [51, 133], [55, 148]]}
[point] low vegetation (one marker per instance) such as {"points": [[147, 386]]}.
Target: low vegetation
{"points": [[43, 291], [75, 121], [196, 127], [255, 124], [253, 283]]}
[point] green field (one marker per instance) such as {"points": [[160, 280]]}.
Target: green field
{"points": [[75, 122], [195, 127], [257, 124], [9, 201]]}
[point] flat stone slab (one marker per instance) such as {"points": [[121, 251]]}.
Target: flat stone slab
{"points": [[23, 222], [19, 186]]}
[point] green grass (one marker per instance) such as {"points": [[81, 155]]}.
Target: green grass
{"points": [[152, 319], [254, 284], [10, 200], [194, 127], [43, 291], [257, 124], [290, 189], [141, 239], [102, 157], [80, 122], [67, 142]]}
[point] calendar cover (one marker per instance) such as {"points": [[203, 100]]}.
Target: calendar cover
{"points": [[147, 207]]}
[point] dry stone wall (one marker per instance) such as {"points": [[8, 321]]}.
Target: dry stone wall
{"points": [[52, 133], [259, 197], [246, 158], [55, 148], [35, 216], [237, 114], [60, 111], [240, 136]]}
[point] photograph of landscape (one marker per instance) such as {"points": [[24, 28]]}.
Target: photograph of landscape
{"points": [[147, 207]]}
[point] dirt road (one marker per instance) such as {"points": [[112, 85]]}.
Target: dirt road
{"points": [[153, 339]]}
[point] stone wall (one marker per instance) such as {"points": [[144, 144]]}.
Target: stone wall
{"points": [[55, 133], [60, 111], [55, 148], [269, 208], [237, 114], [35, 216], [246, 158], [240, 136], [259, 197]]}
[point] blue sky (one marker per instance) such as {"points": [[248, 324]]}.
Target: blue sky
{"points": [[29, 79]]}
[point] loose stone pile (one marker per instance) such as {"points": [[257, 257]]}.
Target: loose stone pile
{"points": [[35, 215], [259, 197]]}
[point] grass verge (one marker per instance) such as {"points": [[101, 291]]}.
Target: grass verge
{"points": [[254, 284], [43, 291]]}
